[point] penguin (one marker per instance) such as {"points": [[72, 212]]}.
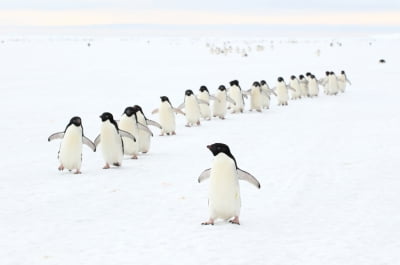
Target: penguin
{"points": [[303, 86], [220, 105], [128, 123], [343, 80], [70, 152], [192, 108], [333, 87], [324, 82], [167, 116], [294, 82], [313, 89], [282, 92], [255, 97], [224, 192], [205, 96], [235, 92], [145, 133], [110, 138], [266, 94]]}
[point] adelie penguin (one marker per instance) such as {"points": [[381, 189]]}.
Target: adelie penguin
{"points": [[266, 94], [235, 92], [343, 81], [204, 95], [129, 123], [70, 152], [192, 108], [167, 116], [282, 92], [145, 133], [256, 97], [220, 105], [110, 138], [224, 192], [294, 82]]}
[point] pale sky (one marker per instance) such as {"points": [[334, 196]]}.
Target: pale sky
{"points": [[95, 12]]}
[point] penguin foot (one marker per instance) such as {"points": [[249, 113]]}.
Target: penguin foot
{"points": [[188, 125], [198, 123], [173, 133], [133, 157], [235, 220], [117, 164], [163, 134], [61, 168], [107, 166], [77, 172], [258, 110], [222, 118], [209, 222]]}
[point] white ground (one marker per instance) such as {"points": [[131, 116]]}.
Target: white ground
{"points": [[328, 167]]}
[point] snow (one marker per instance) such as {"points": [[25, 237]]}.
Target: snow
{"points": [[328, 166]]}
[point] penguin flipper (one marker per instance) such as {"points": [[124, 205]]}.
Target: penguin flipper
{"points": [[144, 128], [204, 175], [179, 111], [97, 140], [243, 175], [291, 88], [200, 101], [154, 111], [230, 100], [89, 143], [181, 106], [54, 136], [153, 123], [214, 98], [127, 135]]}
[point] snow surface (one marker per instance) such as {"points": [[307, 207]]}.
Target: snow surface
{"points": [[328, 166]]}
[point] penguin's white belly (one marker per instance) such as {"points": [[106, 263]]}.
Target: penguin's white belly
{"points": [[236, 95], [167, 118], [256, 99], [332, 85], [296, 86], [342, 83], [192, 110], [282, 93], [224, 192], [128, 124], [204, 108], [144, 137], [219, 108], [70, 155], [313, 88], [303, 89], [111, 144]]}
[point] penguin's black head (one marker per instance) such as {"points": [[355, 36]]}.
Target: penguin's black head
{"points": [[222, 88], [107, 116], [301, 77], [234, 83], [221, 148], [312, 76], [129, 111], [256, 84], [263, 82], [203, 88], [164, 98], [327, 73], [342, 72], [188, 92], [137, 108], [331, 73], [293, 77], [75, 121], [218, 148], [280, 79], [308, 74]]}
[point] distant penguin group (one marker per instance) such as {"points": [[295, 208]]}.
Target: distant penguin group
{"points": [[130, 136]]}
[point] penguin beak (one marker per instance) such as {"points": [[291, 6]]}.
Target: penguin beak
{"points": [[209, 146]]}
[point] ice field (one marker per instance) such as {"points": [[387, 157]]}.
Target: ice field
{"points": [[328, 166]]}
